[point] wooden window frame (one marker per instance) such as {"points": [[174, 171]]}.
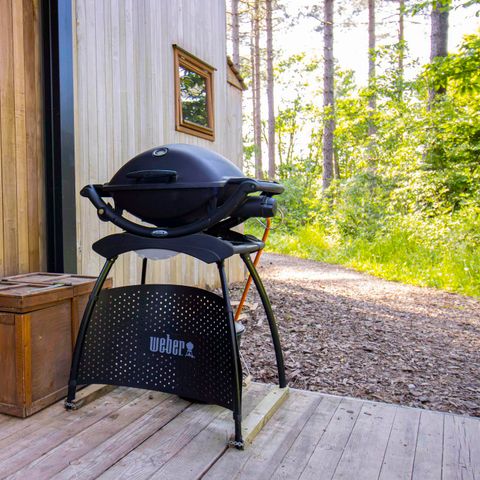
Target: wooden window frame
{"points": [[184, 59]]}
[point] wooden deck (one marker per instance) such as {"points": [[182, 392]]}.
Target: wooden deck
{"points": [[135, 434]]}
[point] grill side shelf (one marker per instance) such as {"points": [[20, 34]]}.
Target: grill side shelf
{"points": [[204, 247]]}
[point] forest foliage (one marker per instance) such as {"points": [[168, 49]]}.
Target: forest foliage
{"points": [[406, 202]]}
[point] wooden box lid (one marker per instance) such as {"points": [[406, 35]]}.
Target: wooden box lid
{"points": [[24, 297], [81, 284]]}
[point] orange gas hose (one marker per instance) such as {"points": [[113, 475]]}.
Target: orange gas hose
{"points": [[255, 263]]}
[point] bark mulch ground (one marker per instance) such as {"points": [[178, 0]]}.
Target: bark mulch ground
{"points": [[348, 333]]}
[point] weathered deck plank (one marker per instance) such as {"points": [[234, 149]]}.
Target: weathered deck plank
{"points": [[136, 435], [305, 444], [271, 444], [21, 448], [187, 429], [198, 456], [151, 455], [329, 449], [400, 454], [429, 451], [99, 459], [12, 425], [461, 448], [367, 444], [140, 413]]}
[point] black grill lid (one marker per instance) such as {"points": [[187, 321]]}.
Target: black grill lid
{"points": [[181, 189], [175, 166]]}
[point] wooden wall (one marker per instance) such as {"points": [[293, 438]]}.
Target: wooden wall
{"points": [[125, 103], [22, 216], [234, 124]]}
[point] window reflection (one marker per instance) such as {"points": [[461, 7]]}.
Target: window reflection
{"points": [[193, 95]]}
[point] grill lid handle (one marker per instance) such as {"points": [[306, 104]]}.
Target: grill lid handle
{"points": [[273, 188], [157, 176], [107, 214]]}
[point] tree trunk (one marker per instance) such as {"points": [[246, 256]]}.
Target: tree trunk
{"points": [[328, 95], [401, 37], [439, 35], [254, 90], [372, 100], [438, 38], [257, 105], [235, 35], [270, 96], [336, 166]]}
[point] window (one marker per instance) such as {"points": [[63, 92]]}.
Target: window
{"points": [[193, 95]]}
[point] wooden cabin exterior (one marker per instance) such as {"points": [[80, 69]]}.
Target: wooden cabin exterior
{"points": [[85, 86], [22, 164]]}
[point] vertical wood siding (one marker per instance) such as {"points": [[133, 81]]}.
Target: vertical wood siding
{"points": [[22, 216], [125, 104]]}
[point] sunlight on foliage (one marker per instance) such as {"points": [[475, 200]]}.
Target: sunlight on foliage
{"points": [[407, 203]]}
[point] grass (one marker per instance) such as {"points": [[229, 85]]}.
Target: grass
{"points": [[410, 255]]}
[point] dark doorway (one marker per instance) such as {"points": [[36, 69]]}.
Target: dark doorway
{"points": [[59, 135]]}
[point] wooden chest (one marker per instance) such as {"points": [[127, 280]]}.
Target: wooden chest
{"points": [[39, 318]]}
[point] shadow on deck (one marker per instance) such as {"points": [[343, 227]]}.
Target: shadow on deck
{"points": [[131, 433]]}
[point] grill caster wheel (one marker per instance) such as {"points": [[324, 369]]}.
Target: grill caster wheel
{"points": [[237, 445], [69, 405]]}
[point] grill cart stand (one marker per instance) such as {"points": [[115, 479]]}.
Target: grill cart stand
{"points": [[170, 338]]}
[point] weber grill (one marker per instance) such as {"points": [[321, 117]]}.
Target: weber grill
{"points": [[181, 189], [172, 338]]}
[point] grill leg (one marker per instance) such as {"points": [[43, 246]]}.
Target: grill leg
{"points": [[238, 442], [144, 270], [270, 316], [77, 352], [237, 377]]}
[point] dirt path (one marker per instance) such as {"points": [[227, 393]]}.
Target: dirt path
{"points": [[351, 334]]}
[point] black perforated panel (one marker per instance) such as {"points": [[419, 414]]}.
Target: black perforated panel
{"points": [[169, 338]]}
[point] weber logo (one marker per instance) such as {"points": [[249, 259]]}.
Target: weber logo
{"points": [[171, 347]]}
